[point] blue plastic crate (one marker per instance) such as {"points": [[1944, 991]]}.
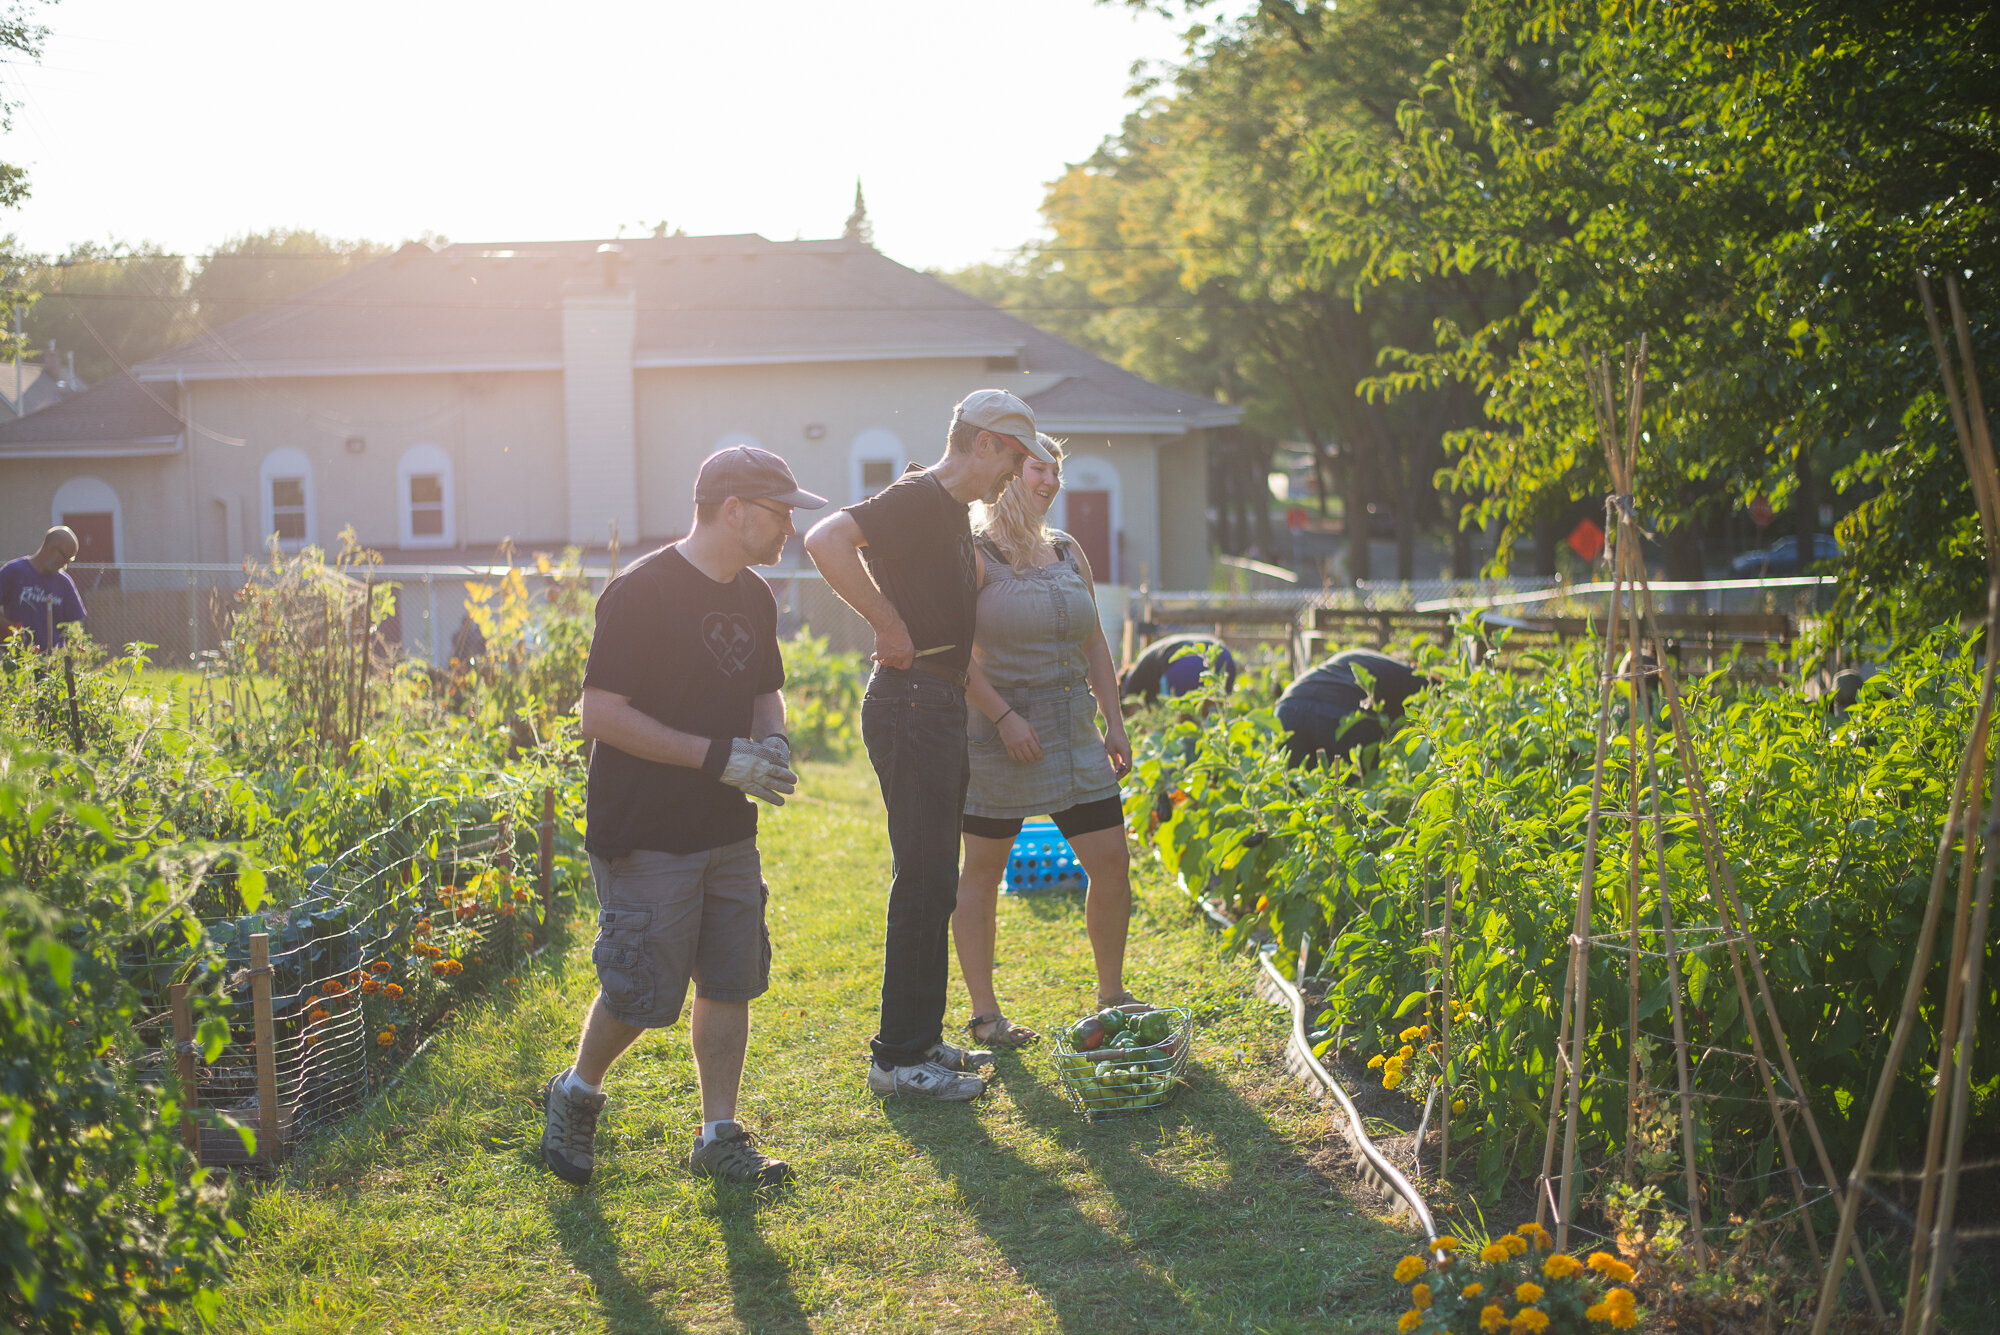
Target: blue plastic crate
{"points": [[1042, 860]]}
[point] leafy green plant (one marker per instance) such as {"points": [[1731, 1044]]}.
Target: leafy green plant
{"points": [[822, 697], [1479, 801]]}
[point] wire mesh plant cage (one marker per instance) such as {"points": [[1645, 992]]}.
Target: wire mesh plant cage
{"points": [[358, 968], [1111, 1081]]}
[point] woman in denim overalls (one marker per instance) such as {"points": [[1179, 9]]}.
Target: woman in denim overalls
{"points": [[1041, 674]]}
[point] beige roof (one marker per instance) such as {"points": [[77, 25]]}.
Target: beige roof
{"points": [[702, 301]]}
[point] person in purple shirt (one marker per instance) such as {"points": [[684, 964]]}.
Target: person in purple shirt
{"points": [[35, 593]]}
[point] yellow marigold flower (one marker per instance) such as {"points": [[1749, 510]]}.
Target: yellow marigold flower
{"points": [[1471, 1291], [1375, 1062], [1263, 902], [1597, 1312], [1411, 1035], [1408, 1321], [1424, 1031], [1492, 1317], [1514, 1243], [1420, 1296], [1531, 1320], [1447, 1243], [1494, 1252], [1528, 1292], [1618, 1298], [1409, 1268], [1406, 1052], [1536, 1234], [1392, 1078], [1561, 1266], [387, 1038], [1610, 1267], [1457, 1106]]}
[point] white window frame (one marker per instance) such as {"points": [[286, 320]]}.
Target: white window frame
{"points": [[875, 445], [425, 461], [91, 496], [278, 464]]}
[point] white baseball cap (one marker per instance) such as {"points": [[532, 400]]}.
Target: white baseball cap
{"points": [[1001, 413]]}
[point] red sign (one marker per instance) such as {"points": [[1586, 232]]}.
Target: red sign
{"points": [[1760, 509], [1586, 540], [1295, 518]]}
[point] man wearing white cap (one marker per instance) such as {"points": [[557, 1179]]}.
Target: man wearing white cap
{"points": [[682, 700], [903, 560]]}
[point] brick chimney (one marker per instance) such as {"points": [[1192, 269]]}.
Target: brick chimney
{"points": [[600, 319]]}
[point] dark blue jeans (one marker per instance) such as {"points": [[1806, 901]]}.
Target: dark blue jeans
{"points": [[914, 726]]}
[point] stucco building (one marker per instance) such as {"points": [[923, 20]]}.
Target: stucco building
{"points": [[441, 401]]}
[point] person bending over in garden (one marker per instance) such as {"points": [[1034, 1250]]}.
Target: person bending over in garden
{"points": [[682, 697], [1041, 674], [903, 559], [36, 593], [1329, 711], [1175, 666]]}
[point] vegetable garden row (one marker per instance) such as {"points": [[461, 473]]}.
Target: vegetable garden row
{"points": [[1457, 846]]}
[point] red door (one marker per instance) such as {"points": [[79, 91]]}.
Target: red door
{"points": [[95, 546], [1088, 517]]}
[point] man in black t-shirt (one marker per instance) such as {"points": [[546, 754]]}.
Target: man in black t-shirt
{"points": [[903, 560], [682, 700]]}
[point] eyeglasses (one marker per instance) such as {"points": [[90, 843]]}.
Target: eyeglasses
{"points": [[782, 511]]}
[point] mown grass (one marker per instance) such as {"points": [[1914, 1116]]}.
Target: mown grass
{"points": [[430, 1210]]}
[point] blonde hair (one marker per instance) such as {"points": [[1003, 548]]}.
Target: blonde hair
{"points": [[1012, 524]]}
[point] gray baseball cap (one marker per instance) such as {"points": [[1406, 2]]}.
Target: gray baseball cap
{"points": [[750, 474], [998, 411]]}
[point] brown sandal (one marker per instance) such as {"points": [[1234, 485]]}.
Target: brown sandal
{"points": [[1125, 1001], [1006, 1034]]}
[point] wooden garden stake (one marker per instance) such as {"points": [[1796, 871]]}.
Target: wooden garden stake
{"points": [[268, 1147], [545, 849], [189, 1091], [1444, 1029]]}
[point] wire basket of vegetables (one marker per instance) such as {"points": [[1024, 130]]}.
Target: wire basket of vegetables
{"points": [[1117, 1062]]}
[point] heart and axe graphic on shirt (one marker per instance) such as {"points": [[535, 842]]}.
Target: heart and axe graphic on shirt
{"points": [[730, 638]]}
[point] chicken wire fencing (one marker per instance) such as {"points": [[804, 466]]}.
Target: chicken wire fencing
{"points": [[325, 997]]}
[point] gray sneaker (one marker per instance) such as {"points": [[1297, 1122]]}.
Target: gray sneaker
{"points": [[963, 1060], [569, 1128], [732, 1156], [925, 1080]]}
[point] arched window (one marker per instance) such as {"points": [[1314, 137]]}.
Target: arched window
{"points": [[285, 499], [425, 516], [874, 460], [90, 507]]}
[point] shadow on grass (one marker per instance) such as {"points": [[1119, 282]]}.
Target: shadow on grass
{"points": [[1246, 1245], [760, 1284], [591, 1242]]}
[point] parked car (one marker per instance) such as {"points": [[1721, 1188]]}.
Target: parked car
{"points": [[1782, 557]]}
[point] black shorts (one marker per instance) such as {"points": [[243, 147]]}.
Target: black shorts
{"points": [[1085, 818]]}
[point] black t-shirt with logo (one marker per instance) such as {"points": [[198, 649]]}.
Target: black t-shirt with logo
{"points": [[692, 654], [920, 554]]}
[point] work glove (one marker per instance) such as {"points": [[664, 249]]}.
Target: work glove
{"points": [[760, 770], [782, 744]]}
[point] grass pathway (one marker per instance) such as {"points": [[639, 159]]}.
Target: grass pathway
{"points": [[430, 1211]]}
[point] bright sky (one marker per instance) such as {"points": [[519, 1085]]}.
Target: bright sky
{"points": [[184, 124]]}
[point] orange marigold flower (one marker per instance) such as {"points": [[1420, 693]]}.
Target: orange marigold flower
{"points": [[1531, 1320], [1604, 1263], [387, 1038], [333, 987], [1407, 1322], [379, 966], [369, 986], [1420, 1296], [1471, 1291], [1514, 1243], [1536, 1234], [317, 1014], [1409, 1268], [441, 968], [392, 990], [1528, 1292], [1561, 1266], [506, 910], [421, 927], [521, 895], [1447, 1243], [457, 968], [1494, 1252], [467, 909], [1492, 1317]]}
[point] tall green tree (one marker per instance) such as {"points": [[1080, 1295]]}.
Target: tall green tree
{"points": [[250, 272], [108, 305]]}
